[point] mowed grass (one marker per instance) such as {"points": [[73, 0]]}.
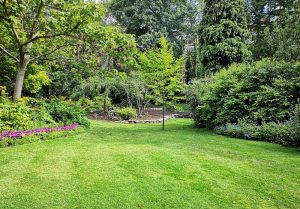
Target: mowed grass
{"points": [[140, 166]]}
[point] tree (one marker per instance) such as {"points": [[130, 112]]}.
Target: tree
{"points": [[149, 20], [34, 29], [163, 74], [224, 36], [276, 31]]}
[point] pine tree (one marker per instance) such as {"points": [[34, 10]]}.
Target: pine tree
{"points": [[224, 36]]}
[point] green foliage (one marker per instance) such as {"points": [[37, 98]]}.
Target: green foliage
{"points": [[276, 29], [97, 103], [163, 73], [126, 113], [149, 20], [67, 112], [261, 93], [35, 37], [18, 116], [224, 36], [287, 133], [34, 82]]}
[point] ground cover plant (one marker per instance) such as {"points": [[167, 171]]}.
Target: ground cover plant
{"points": [[140, 166]]}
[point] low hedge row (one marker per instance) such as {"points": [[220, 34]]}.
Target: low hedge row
{"points": [[287, 133]]}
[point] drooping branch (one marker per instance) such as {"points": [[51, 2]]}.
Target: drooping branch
{"points": [[9, 54]]}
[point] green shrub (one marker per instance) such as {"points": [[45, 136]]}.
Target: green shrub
{"points": [[264, 92], [86, 103], [17, 116], [97, 103], [126, 113], [67, 112], [287, 133]]}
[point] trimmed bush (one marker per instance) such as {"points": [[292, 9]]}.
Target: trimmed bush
{"points": [[126, 113]]}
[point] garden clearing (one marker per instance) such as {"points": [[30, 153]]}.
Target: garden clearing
{"points": [[116, 165]]}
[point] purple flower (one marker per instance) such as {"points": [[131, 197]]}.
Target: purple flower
{"points": [[19, 134]]}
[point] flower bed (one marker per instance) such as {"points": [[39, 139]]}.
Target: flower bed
{"points": [[20, 134]]}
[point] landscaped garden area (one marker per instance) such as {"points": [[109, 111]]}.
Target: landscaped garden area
{"points": [[149, 104], [116, 165]]}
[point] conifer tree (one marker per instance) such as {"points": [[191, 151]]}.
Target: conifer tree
{"points": [[224, 36]]}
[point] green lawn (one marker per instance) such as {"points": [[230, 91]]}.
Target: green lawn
{"points": [[140, 166]]}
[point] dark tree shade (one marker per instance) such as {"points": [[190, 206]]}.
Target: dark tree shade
{"points": [[224, 36]]}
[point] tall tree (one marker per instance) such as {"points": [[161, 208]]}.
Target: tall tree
{"points": [[275, 28], [224, 36], [149, 20], [34, 29], [163, 73]]}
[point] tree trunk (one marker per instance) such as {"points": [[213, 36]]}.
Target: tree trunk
{"points": [[105, 104], [24, 60], [164, 115]]}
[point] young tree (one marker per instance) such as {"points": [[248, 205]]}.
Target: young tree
{"points": [[163, 74], [34, 29], [224, 36]]}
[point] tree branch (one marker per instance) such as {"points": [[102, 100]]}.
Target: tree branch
{"points": [[35, 22], [40, 37], [52, 51], [54, 35], [9, 54], [11, 24], [4, 18]]}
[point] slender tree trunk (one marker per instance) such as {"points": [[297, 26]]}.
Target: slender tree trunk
{"points": [[105, 104], [24, 60], [164, 114]]}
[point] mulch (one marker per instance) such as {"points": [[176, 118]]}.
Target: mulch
{"points": [[151, 114]]}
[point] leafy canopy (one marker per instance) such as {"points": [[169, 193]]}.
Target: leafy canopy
{"points": [[163, 73]]}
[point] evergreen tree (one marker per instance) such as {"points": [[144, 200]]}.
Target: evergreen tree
{"points": [[224, 36]]}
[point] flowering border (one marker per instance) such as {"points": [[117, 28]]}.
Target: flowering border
{"points": [[20, 134]]}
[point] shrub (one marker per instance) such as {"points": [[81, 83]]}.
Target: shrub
{"points": [[126, 113], [97, 103], [17, 116], [287, 133], [264, 92], [86, 103], [67, 112]]}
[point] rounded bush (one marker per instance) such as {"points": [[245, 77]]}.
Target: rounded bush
{"points": [[126, 113]]}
